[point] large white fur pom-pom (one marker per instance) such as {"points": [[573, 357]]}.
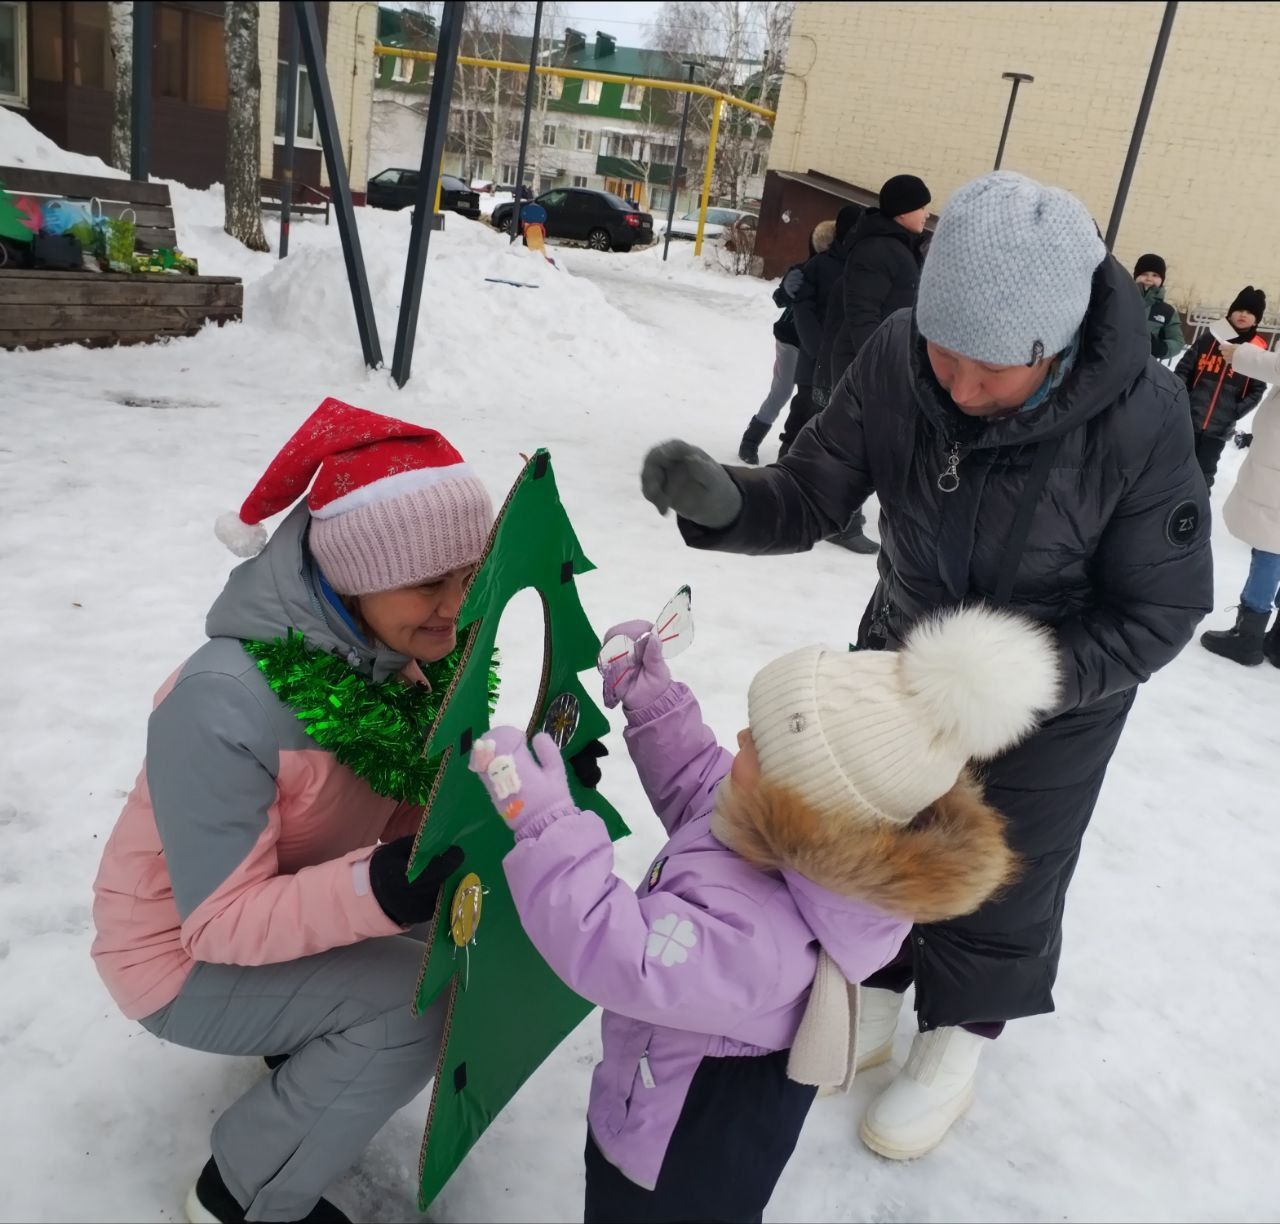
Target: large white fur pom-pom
{"points": [[244, 539], [981, 677]]}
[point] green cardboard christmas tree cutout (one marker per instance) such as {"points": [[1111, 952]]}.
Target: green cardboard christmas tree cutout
{"points": [[507, 1010]]}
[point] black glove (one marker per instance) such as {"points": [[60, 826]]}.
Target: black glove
{"points": [[680, 477], [585, 765], [1244, 440], [1157, 348], [404, 901]]}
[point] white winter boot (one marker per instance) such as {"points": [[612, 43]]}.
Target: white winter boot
{"points": [[878, 1013], [912, 1116]]}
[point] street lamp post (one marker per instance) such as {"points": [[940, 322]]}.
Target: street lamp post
{"points": [[1140, 124], [693, 66], [1017, 78]]}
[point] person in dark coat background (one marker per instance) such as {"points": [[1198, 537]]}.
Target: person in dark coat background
{"points": [[786, 346], [881, 274], [1220, 396], [1163, 323], [821, 275], [1029, 452]]}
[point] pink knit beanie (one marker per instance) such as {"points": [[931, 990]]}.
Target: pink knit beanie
{"points": [[392, 503]]}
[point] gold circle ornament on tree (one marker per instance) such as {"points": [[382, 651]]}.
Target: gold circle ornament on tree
{"points": [[465, 910]]}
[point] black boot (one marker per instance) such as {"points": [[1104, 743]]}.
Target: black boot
{"points": [[854, 538], [749, 447], [1271, 643], [1243, 643], [210, 1202]]}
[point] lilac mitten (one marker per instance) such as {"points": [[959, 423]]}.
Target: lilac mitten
{"points": [[637, 682], [524, 789]]}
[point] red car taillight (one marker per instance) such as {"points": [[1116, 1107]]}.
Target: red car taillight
{"points": [[632, 219]]}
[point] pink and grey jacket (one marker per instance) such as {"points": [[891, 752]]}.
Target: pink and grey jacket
{"points": [[243, 842], [710, 958]]}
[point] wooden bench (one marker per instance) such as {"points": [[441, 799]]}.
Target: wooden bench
{"points": [[306, 201], [42, 308]]}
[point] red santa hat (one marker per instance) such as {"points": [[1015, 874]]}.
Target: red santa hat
{"points": [[391, 504]]}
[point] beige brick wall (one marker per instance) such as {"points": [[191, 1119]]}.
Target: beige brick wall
{"points": [[874, 89], [349, 58]]}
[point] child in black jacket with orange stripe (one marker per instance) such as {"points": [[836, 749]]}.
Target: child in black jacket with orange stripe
{"points": [[1221, 398]]}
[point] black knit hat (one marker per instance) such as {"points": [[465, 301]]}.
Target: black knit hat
{"points": [[1149, 263], [1250, 299], [846, 219], [903, 193]]}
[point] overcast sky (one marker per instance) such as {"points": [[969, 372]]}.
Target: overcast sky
{"points": [[628, 22]]}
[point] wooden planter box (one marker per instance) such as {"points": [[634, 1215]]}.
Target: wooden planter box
{"points": [[40, 308]]}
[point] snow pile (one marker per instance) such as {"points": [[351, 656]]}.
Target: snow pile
{"points": [[22, 145], [472, 322]]}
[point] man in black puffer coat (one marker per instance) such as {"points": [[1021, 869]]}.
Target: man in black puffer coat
{"points": [[881, 273], [1027, 451]]}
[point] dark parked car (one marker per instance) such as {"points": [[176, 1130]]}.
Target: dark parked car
{"points": [[399, 189], [605, 222]]}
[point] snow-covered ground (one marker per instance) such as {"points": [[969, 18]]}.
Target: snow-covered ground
{"points": [[1150, 1095]]}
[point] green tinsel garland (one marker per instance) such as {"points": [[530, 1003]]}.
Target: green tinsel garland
{"points": [[378, 731]]}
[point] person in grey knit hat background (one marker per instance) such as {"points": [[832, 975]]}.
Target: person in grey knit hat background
{"points": [[1028, 451]]}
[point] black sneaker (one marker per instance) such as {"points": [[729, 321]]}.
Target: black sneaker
{"points": [[210, 1202]]}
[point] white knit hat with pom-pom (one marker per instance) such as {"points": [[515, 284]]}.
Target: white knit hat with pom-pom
{"points": [[880, 735]]}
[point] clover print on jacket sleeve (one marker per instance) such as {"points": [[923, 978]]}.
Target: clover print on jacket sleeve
{"points": [[670, 940]]}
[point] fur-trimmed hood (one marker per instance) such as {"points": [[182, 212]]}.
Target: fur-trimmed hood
{"points": [[945, 863]]}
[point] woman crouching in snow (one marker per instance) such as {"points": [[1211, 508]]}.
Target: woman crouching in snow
{"points": [[244, 904], [792, 869]]}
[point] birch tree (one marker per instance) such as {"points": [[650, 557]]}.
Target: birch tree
{"points": [[121, 102], [244, 138]]}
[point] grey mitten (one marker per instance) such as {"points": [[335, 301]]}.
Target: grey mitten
{"points": [[683, 478]]}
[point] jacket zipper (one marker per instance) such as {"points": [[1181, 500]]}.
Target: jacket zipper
{"points": [[878, 629], [949, 480], [646, 1072], [1213, 403]]}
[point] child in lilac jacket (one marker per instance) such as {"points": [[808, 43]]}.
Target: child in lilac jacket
{"points": [[793, 868]]}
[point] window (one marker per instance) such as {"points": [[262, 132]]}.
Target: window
{"points": [[206, 83], [13, 56], [507, 174], [91, 46], [190, 61], [590, 95], [579, 180], [306, 125], [584, 139], [555, 88], [755, 164], [632, 96], [659, 199], [402, 70], [664, 154], [46, 41], [549, 135]]}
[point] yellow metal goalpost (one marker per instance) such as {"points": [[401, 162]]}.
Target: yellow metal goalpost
{"points": [[579, 74]]}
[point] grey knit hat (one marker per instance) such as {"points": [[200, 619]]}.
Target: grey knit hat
{"points": [[1009, 272]]}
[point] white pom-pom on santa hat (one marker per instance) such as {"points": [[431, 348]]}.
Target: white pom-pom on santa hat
{"points": [[981, 677], [243, 539]]}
